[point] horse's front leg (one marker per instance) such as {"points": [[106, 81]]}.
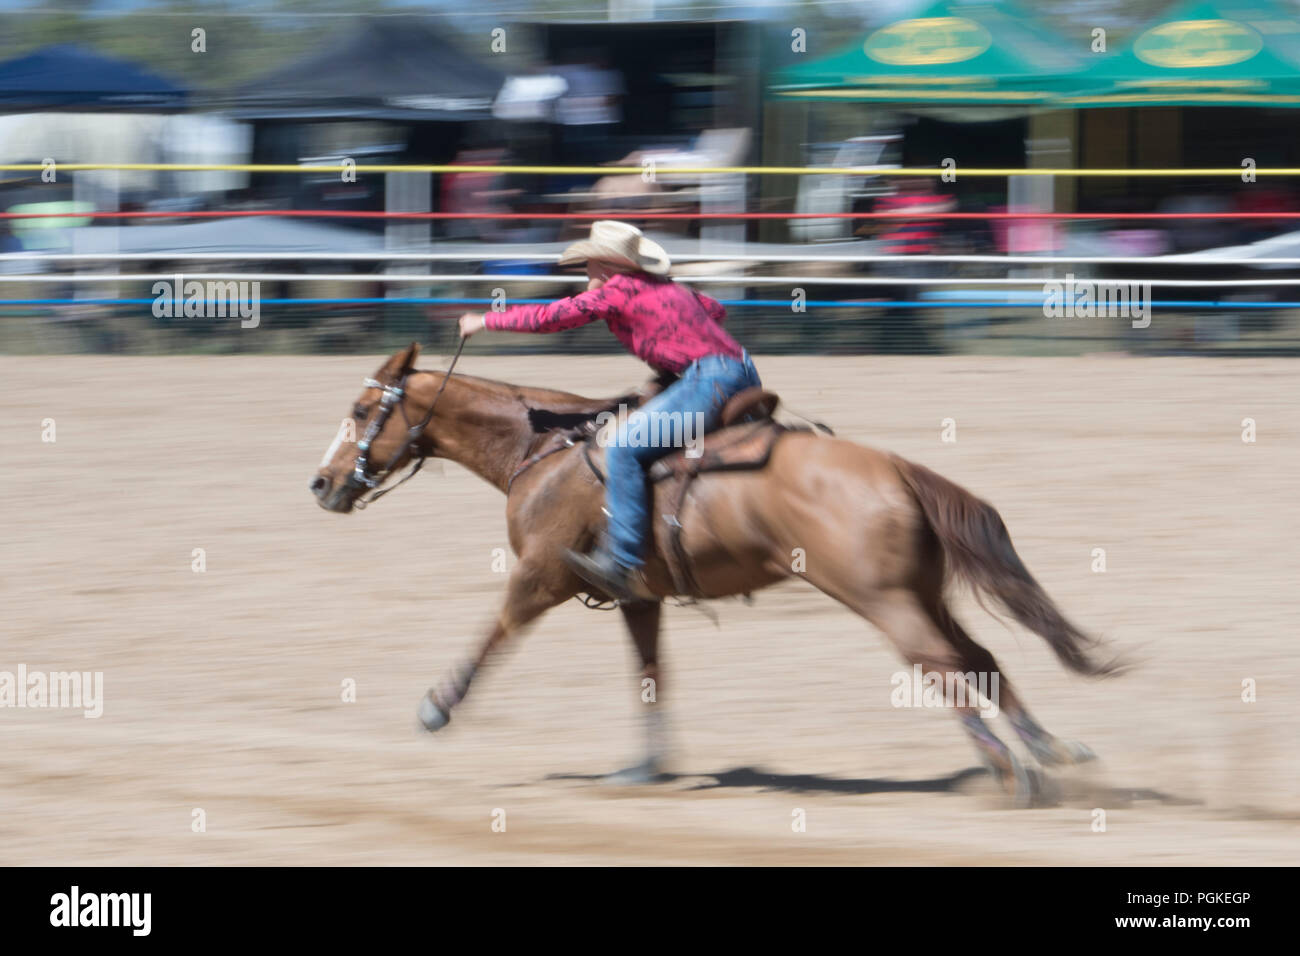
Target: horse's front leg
{"points": [[533, 590], [642, 620]]}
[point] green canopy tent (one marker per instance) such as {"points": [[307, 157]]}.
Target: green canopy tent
{"points": [[1202, 53], [980, 77], [954, 53]]}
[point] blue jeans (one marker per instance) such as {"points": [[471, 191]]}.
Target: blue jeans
{"points": [[677, 416]]}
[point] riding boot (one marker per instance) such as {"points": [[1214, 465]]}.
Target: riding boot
{"points": [[602, 570]]}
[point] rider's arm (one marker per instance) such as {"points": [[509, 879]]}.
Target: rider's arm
{"points": [[589, 306]]}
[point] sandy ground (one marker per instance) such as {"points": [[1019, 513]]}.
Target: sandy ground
{"points": [[223, 688]]}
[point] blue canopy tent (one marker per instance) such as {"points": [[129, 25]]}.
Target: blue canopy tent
{"points": [[73, 77]]}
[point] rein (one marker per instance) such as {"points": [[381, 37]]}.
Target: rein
{"points": [[392, 398]]}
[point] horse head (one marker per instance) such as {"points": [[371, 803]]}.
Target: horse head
{"points": [[375, 440]]}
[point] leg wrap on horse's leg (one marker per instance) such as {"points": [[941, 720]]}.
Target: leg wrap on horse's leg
{"points": [[1046, 748], [984, 738], [435, 707], [1000, 759], [454, 688], [656, 735], [651, 769]]}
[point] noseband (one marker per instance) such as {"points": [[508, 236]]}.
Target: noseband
{"points": [[392, 397]]}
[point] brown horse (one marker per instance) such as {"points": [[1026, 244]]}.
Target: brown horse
{"points": [[875, 532]]}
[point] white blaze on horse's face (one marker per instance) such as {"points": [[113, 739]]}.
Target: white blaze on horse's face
{"points": [[332, 487], [370, 447], [347, 433], [372, 442]]}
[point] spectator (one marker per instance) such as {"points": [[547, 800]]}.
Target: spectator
{"points": [[1265, 198], [9, 243], [481, 193], [903, 329]]}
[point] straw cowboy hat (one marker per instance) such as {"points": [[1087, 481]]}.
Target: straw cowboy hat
{"points": [[618, 242]]}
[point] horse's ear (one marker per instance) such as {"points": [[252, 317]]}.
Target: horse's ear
{"points": [[403, 361]]}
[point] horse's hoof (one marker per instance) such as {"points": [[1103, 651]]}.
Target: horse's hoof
{"points": [[1054, 751], [1023, 785], [642, 773], [1078, 752], [432, 715], [1018, 784]]}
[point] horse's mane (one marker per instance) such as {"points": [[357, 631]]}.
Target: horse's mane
{"points": [[544, 420]]}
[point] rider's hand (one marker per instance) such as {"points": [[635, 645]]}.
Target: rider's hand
{"points": [[471, 322]]}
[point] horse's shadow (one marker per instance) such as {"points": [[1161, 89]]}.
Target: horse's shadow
{"points": [[765, 780], [752, 778], [1049, 792]]}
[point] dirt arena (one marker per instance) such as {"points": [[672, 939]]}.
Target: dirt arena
{"points": [[223, 688]]}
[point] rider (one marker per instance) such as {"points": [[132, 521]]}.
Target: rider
{"points": [[671, 328]]}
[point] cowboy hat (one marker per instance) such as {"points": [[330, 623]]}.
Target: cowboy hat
{"points": [[612, 241]]}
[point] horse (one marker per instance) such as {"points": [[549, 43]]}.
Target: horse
{"points": [[880, 534]]}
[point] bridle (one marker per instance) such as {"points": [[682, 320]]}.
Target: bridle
{"points": [[391, 397]]}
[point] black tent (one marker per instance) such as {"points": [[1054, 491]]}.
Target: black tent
{"points": [[382, 68], [72, 77]]}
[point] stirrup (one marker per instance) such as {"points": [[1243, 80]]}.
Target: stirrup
{"points": [[603, 571]]}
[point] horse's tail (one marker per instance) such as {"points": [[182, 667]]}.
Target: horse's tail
{"points": [[978, 550]]}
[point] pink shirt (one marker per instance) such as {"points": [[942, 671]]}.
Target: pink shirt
{"points": [[666, 325]]}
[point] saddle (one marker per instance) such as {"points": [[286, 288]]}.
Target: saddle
{"points": [[730, 447], [743, 441], [745, 445], [750, 404]]}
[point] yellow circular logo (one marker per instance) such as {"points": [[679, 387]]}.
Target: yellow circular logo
{"points": [[1189, 44], [928, 41]]}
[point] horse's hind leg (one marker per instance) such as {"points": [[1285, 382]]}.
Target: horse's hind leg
{"points": [[1046, 749], [642, 620], [915, 630]]}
